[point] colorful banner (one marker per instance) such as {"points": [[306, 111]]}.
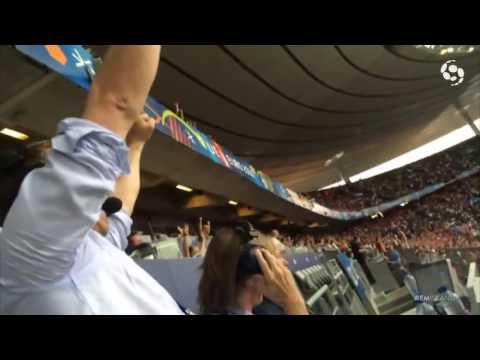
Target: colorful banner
{"points": [[71, 61], [77, 65]]}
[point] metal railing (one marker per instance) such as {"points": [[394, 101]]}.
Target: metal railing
{"points": [[460, 259]]}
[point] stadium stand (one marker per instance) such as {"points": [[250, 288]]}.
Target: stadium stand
{"points": [[440, 168]]}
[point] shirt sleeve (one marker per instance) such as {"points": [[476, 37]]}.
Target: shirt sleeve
{"points": [[58, 204], [120, 226]]}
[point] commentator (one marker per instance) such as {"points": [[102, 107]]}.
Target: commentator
{"points": [[60, 253]]}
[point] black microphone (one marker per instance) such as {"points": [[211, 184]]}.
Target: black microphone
{"points": [[112, 205]]}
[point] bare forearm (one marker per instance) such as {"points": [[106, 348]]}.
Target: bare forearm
{"points": [[295, 306], [127, 187], [121, 87], [293, 303], [186, 249]]}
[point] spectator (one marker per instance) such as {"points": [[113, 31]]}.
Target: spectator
{"points": [[394, 263], [137, 249], [300, 245], [344, 247], [204, 230], [380, 246], [358, 254], [184, 240], [236, 275], [194, 247]]}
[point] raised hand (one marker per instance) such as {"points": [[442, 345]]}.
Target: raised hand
{"points": [[142, 129], [280, 286], [204, 229], [183, 231]]}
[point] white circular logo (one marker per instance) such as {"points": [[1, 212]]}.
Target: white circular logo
{"points": [[452, 73]]}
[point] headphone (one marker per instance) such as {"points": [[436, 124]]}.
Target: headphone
{"points": [[247, 263]]}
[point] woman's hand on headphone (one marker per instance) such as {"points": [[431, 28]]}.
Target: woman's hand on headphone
{"points": [[280, 286]]}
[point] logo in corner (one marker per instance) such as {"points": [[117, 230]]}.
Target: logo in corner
{"points": [[452, 73]]}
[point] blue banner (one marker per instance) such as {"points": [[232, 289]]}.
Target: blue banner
{"points": [[71, 61]]}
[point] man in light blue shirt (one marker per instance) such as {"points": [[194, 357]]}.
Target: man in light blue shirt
{"points": [[52, 260]]}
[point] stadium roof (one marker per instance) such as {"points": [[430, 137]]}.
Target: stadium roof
{"points": [[287, 109]]}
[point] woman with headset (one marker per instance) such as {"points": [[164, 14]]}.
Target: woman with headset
{"points": [[237, 274]]}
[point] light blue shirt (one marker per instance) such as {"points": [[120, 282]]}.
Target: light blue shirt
{"points": [[51, 260]]}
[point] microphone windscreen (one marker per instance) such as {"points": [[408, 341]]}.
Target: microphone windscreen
{"points": [[112, 205]]}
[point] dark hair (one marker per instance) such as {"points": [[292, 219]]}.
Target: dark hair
{"points": [[220, 278]]}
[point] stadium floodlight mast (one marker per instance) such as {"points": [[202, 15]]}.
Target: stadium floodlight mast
{"points": [[337, 163]]}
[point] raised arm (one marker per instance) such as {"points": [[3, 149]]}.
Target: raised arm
{"points": [[127, 187], [183, 234], [203, 235], [57, 205], [280, 286], [120, 89]]}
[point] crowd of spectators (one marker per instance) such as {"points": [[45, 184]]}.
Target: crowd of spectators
{"points": [[440, 225], [442, 167], [447, 219]]}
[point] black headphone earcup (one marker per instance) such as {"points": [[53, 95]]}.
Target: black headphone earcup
{"points": [[248, 263]]}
